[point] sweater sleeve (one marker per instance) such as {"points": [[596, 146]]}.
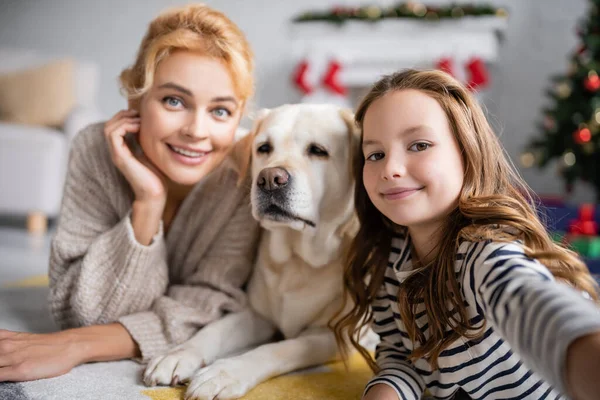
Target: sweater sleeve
{"points": [[96, 265], [212, 290], [391, 355], [538, 316]]}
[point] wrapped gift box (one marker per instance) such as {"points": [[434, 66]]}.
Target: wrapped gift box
{"points": [[575, 225]]}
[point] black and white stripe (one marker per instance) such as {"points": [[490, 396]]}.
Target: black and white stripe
{"points": [[530, 321]]}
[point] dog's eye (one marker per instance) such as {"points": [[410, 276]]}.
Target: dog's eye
{"points": [[265, 148], [318, 151]]}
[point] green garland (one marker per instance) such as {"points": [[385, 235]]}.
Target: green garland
{"points": [[410, 10]]}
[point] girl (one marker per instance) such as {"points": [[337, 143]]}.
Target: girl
{"points": [[466, 288], [155, 237]]}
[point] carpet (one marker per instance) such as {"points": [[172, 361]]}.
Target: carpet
{"points": [[23, 308]]}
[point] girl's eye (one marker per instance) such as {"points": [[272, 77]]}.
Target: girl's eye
{"points": [[375, 157], [221, 113], [172, 102], [421, 146]]}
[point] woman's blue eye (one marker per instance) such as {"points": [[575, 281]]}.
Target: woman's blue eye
{"points": [[221, 112], [375, 157], [421, 146], [172, 101]]}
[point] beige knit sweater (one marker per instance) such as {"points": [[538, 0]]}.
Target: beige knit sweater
{"points": [[162, 293]]}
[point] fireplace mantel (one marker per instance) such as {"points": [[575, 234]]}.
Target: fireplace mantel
{"points": [[365, 51]]}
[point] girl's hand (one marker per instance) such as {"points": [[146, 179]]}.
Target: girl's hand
{"points": [[145, 180], [583, 368], [29, 356], [381, 392]]}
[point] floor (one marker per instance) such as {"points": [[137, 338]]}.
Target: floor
{"points": [[22, 255]]}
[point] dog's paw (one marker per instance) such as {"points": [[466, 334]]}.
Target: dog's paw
{"points": [[176, 367], [226, 379]]}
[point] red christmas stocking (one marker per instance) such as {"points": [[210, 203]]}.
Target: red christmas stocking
{"points": [[300, 78], [445, 64], [330, 80], [478, 74]]}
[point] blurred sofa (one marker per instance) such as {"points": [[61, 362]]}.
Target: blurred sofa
{"points": [[33, 158]]}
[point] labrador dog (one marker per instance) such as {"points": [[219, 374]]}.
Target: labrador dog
{"points": [[302, 195]]}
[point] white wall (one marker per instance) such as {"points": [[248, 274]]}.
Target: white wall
{"points": [[540, 36]]}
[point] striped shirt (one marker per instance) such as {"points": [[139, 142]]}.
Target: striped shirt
{"points": [[531, 320]]}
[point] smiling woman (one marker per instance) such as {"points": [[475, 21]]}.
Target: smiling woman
{"points": [[188, 118], [156, 236]]}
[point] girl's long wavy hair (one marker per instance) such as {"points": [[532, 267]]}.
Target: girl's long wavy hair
{"points": [[493, 198]]}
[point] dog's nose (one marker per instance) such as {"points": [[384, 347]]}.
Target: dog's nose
{"points": [[270, 179]]}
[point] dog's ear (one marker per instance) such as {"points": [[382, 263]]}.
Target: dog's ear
{"points": [[261, 115], [349, 228], [353, 133], [241, 152]]}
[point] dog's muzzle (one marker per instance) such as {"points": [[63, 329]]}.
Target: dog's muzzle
{"points": [[274, 186]]}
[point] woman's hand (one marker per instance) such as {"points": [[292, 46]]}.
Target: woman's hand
{"points": [[381, 392], [147, 182], [29, 356], [583, 368]]}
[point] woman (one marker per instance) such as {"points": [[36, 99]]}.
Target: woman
{"points": [[155, 237]]}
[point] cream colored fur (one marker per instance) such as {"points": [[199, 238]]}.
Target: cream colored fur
{"points": [[296, 286]]}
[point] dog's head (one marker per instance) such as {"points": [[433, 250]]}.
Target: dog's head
{"points": [[301, 165]]}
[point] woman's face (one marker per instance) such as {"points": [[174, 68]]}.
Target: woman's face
{"points": [[189, 116]]}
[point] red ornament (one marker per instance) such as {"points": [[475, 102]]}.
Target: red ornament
{"points": [[330, 80], [478, 74], [585, 224], [586, 212], [582, 136], [445, 64], [589, 228], [299, 78], [592, 83]]}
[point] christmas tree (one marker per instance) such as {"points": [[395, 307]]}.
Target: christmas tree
{"points": [[570, 126]]}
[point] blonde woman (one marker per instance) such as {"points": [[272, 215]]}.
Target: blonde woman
{"points": [[155, 237]]}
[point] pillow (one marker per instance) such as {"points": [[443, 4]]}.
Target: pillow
{"points": [[44, 95]]}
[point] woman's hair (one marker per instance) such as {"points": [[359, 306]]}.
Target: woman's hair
{"points": [[194, 27], [494, 203]]}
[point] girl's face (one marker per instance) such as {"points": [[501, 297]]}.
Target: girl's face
{"points": [[189, 116], [413, 169]]}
